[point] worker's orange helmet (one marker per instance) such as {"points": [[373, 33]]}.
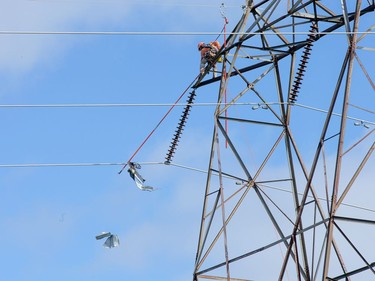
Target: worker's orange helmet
{"points": [[200, 45]]}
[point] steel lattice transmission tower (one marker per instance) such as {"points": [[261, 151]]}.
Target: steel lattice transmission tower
{"points": [[290, 181]]}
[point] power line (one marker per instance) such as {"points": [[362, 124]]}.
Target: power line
{"points": [[260, 184], [323, 199], [43, 165], [363, 109], [172, 33], [148, 163], [162, 104], [334, 114], [143, 3], [88, 105], [159, 3], [35, 165]]}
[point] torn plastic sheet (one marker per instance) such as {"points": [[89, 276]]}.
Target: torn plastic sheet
{"points": [[138, 179]]}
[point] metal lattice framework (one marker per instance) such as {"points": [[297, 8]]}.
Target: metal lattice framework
{"points": [[285, 174]]}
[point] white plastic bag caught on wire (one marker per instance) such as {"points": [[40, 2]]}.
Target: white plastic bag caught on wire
{"points": [[138, 179]]}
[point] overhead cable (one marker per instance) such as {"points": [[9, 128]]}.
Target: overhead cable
{"points": [[173, 33], [115, 105], [147, 163]]}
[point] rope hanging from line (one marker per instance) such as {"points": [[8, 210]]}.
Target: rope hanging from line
{"points": [[162, 119]]}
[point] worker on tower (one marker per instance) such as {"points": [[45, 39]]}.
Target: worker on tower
{"points": [[208, 53]]}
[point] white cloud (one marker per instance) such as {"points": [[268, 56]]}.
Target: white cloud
{"points": [[20, 53]]}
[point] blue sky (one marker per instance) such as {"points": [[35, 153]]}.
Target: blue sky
{"points": [[49, 216]]}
